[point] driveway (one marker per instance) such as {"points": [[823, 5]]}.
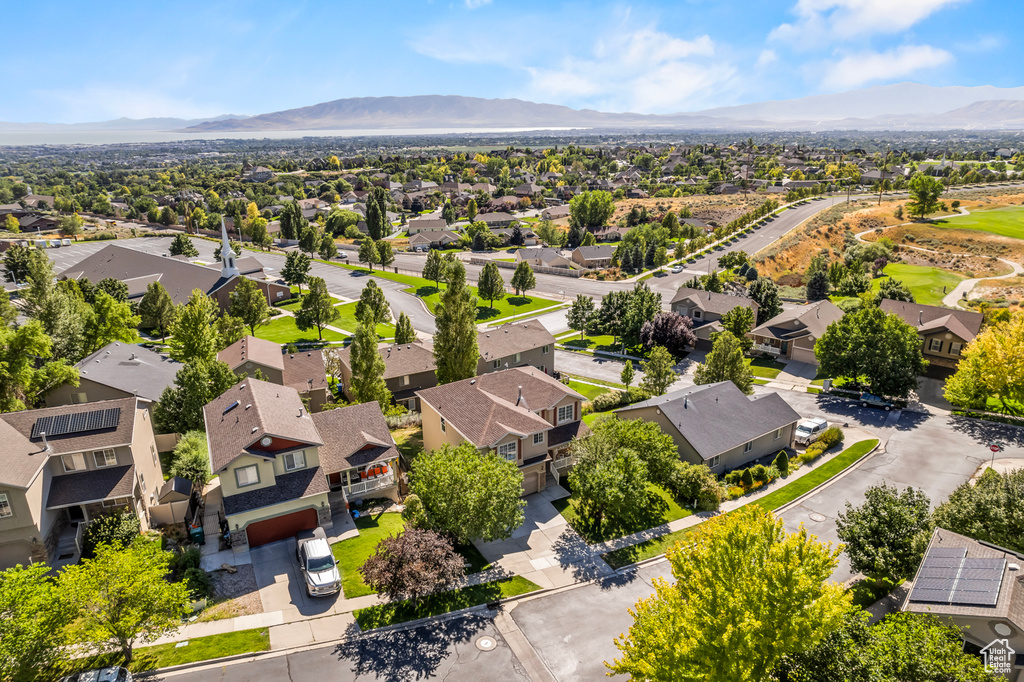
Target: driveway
{"points": [[281, 585]]}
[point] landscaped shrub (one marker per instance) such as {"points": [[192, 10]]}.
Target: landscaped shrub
{"points": [[118, 530], [695, 484], [829, 437], [747, 478], [734, 477], [782, 463], [183, 560], [759, 473], [401, 421], [198, 584], [607, 401]]}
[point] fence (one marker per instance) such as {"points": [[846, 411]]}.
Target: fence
{"points": [[542, 269]]}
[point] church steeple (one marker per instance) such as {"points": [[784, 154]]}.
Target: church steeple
{"points": [[227, 255]]}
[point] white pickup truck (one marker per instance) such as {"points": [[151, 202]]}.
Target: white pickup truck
{"points": [[808, 430]]}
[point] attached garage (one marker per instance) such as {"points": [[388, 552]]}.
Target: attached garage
{"points": [[280, 527], [14, 553], [530, 483], [804, 355]]}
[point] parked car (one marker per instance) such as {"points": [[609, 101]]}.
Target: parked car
{"points": [[316, 563], [677, 269], [808, 430], [872, 400], [114, 674], [342, 255]]}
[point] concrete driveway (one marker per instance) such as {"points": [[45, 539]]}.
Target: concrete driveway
{"points": [[281, 585]]}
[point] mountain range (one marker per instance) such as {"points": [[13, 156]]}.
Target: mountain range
{"points": [[157, 123]]}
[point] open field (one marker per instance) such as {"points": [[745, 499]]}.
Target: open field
{"points": [[928, 284], [1005, 221]]}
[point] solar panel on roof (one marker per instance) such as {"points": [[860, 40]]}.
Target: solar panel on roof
{"points": [[63, 424], [972, 581]]}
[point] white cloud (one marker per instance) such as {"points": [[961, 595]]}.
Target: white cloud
{"points": [[474, 4], [102, 102], [766, 58], [819, 21], [855, 70]]}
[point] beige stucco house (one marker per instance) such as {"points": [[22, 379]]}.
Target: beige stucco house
{"points": [[706, 309], [792, 333], [302, 370], [943, 331], [516, 345]]}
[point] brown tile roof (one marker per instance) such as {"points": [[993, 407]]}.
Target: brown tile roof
{"points": [[250, 348], [487, 408], [91, 486], [353, 436], [808, 320], [305, 370], [400, 359], [122, 434], [20, 458], [509, 339], [237, 420], [964, 323], [710, 302], [288, 487]]}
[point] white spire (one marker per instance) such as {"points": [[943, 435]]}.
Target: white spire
{"points": [[227, 255]]}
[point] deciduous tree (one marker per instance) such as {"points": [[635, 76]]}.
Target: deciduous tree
{"points": [[455, 346], [385, 253], [894, 290], [26, 371], [591, 209], [925, 191], [109, 320], [33, 622], [766, 295], [296, 269], [669, 329], [725, 362], [377, 223], [191, 459], [412, 565], [581, 314], [181, 245], [249, 304], [658, 372], [404, 333], [490, 286], [193, 337], [180, 408], [372, 302], [627, 373], [523, 278], [609, 483], [317, 308], [433, 268], [886, 536], [738, 322], [368, 253], [989, 508], [991, 367]]}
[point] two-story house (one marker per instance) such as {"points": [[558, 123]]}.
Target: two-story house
{"points": [[303, 370], [706, 309], [521, 414], [408, 368], [943, 331], [118, 370], [61, 467], [792, 333], [516, 345]]}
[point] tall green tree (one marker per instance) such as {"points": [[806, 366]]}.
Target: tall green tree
{"points": [[991, 368], [875, 345], [627, 373], [377, 222], [433, 268], [115, 287], [372, 302], [368, 253], [404, 333], [109, 320], [71, 226], [180, 408], [368, 365], [296, 269], [894, 290], [191, 459], [8, 313], [181, 245], [455, 346], [654, 446], [581, 314], [523, 278], [643, 305], [468, 494], [818, 286], [591, 209], [725, 362], [249, 304], [925, 191], [17, 261], [33, 624], [886, 536], [60, 307], [327, 248], [471, 209], [385, 253], [989, 508], [746, 594], [448, 213], [738, 322], [292, 221], [193, 337], [122, 597], [317, 308], [309, 239], [11, 224], [658, 372], [610, 484], [766, 294], [26, 368], [491, 286]]}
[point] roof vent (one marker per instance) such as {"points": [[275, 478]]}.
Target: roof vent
{"points": [[1013, 567], [686, 403], [248, 406], [254, 429], [920, 317], [241, 386], [472, 381]]}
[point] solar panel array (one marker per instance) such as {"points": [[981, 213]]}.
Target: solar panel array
{"points": [[948, 576], [64, 424]]}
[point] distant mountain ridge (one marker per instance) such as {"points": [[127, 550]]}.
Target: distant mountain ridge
{"points": [[123, 123]]}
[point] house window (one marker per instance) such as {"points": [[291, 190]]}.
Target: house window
{"points": [[79, 398], [105, 458], [778, 434], [545, 350], [935, 345], [509, 451], [5, 506], [538, 438], [955, 348], [142, 482], [566, 413], [245, 476], [295, 460], [404, 381], [748, 447], [496, 364], [444, 425], [75, 462], [519, 357], [713, 462], [152, 451], [696, 314], [116, 502]]}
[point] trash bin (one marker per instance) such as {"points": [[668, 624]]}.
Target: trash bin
{"points": [[197, 535]]}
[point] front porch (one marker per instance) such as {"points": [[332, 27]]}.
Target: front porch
{"points": [[377, 479]]}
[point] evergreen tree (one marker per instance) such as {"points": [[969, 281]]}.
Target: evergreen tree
{"points": [[404, 333], [471, 209], [448, 213], [818, 286], [491, 286], [317, 308], [766, 295], [183, 246], [627, 373], [523, 278], [157, 309], [455, 346], [368, 365], [516, 238]]}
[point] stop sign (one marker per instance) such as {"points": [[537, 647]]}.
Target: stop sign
{"points": [[993, 448]]}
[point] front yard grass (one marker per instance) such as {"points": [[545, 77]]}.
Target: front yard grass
{"points": [[282, 330], [784, 495], [602, 342], [348, 321], [588, 391], [766, 368], [660, 508], [198, 649], [506, 307], [353, 553], [444, 602]]}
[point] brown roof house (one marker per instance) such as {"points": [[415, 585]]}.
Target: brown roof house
{"points": [[516, 345], [61, 467], [434, 239], [793, 333], [520, 414], [282, 469], [408, 368], [944, 331], [304, 370], [599, 256], [706, 309], [717, 425], [540, 257], [978, 587], [118, 370]]}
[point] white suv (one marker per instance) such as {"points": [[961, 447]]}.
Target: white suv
{"points": [[316, 563], [808, 430]]}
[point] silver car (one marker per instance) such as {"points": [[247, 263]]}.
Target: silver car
{"points": [[316, 563], [114, 674]]}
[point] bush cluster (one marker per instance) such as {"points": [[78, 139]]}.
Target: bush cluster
{"points": [[695, 482], [613, 399], [185, 568], [829, 437]]}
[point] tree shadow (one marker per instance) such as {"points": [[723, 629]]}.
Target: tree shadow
{"points": [[518, 300], [575, 555], [426, 291], [985, 432]]}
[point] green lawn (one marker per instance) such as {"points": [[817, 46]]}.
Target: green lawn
{"points": [[353, 553], [660, 508], [765, 368], [589, 391], [283, 330], [409, 441], [787, 493], [348, 321], [1006, 221], [198, 649], [444, 602], [506, 307], [926, 283]]}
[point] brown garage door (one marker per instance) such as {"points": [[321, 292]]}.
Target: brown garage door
{"points": [[281, 527], [529, 484]]}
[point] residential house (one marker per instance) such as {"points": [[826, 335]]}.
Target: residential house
{"points": [[408, 368], [426, 225], [303, 370], [258, 174], [543, 257], [528, 189], [706, 309], [530, 237], [555, 212], [944, 331], [62, 467], [359, 456], [593, 256], [499, 219], [793, 333], [717, 425], [516, 345], [118, 370], [434, 240], [976, 586], [520, 414]]}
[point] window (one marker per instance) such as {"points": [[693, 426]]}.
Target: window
{"points": [[519, 357], [935, 345], [444, 425], [245, 476], [696, 314], [75, 462], [538, 438], [79, 398], [509, 451], [496, 364], [105, 458], [748, 447], [778, 434], [5, 506], [545, 350], [404, 381], [116, 502], [713, 462], [955, 348], [566, 413], [295, 460], [142, 482], [152, 451]]}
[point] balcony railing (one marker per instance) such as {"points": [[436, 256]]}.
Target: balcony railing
{"points": [[765, 348], [562, 461], [369, 485]]}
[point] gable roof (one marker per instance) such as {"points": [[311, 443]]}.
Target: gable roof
{"points": [[711, 302], [119, 434], [354, 436], [809, 320], [599, 252], [486, 409], [509, 339], [930, 318], [304, 370], [399, 359], [431, 236], [130, 368], [252, 349], [716, 418], [240, 417]]}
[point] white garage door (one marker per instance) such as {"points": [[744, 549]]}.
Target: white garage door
{"points": [[804, 355], [530, 484]]}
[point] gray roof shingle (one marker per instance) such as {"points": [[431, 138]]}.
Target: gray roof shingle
{"points": [[91, 486], [130, 368], [293, 486]]}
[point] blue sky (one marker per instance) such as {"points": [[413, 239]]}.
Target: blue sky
{"points": [[72, 61]]}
